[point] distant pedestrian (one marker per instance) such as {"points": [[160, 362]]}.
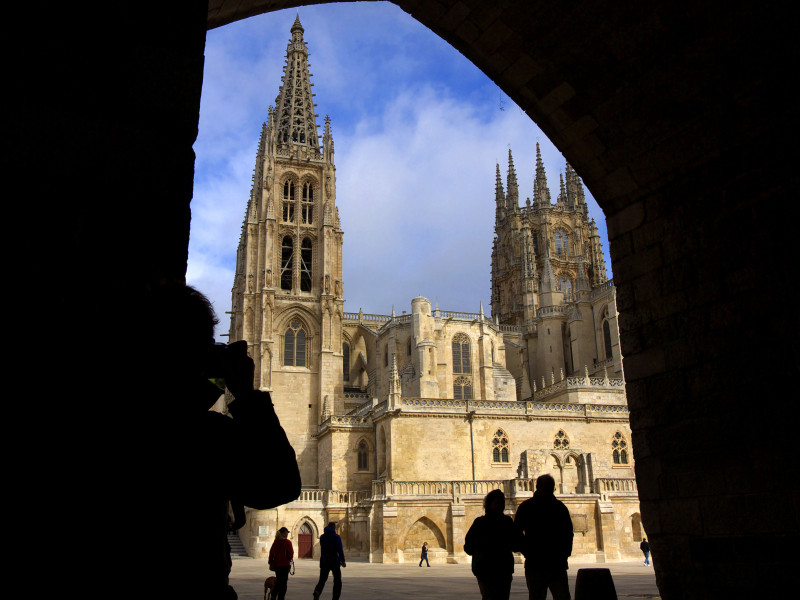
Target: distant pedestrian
{"points": [[330, 560], [424, 554], [547, 544], [491, 541], [280, 560], [645, 547]]}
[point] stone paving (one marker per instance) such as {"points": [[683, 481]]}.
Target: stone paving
{"points": [[364, 581]]}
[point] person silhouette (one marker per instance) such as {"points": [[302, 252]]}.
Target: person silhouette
{"points": [[281, 554], [645, 548], [194, 466], [546, 527], [330, 560], [491, 541]]}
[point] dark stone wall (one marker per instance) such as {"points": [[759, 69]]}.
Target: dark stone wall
{"points": [[678, 118]]}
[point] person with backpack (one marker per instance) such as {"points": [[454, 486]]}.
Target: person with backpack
{"points": [[330, 560]]}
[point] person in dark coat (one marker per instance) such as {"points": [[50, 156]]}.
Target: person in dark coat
{"points": [[546, 527], [491, 541], [645, 548], [330, 560], [424, 555], [281, 554]]}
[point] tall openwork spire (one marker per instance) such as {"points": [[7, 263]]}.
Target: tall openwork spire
{"points": [[294, 106], [541, 195]]}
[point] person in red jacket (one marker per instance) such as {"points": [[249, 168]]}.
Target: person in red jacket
{"points": [[280, 560]]}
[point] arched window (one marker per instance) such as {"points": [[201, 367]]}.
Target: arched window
{"points": [[561, 441], [305, 265], [607, 338], [462, 388], [562, 243], [294, 345], [308, 203], [461, 362], [288, 201], [500, 447], [346, 361], [363, 456], [566, 287], [287, 256], [619, 449]]}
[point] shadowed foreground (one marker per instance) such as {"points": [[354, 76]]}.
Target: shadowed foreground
{"points": [[363, 581]]}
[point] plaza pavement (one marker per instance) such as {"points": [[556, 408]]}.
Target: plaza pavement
{"points": [[365, 581]]}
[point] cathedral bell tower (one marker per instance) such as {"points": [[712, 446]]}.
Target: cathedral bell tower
{"points": [[287, 295], [549, 278]]}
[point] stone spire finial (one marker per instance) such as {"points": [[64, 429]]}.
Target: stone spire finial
{"points": [[512, 198], [296, 25], [499, 194], [541, 194], [394, 383]]}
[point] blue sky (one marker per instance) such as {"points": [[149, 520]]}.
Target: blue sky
{"points": [[417, 130]]}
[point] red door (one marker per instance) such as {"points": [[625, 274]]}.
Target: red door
{"points": [[304, 545]]}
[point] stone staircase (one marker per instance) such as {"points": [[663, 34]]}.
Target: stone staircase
{"points": [[237, 548]]}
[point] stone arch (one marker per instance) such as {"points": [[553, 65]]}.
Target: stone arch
{"points": [[637, 532], [423, 530], [305, 520], [301, 525], [283, 322], [635, 177]]}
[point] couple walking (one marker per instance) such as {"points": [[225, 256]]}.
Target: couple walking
{"points": [[541, 530]]}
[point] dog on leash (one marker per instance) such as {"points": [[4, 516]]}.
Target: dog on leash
{"points": [[269, 586]]}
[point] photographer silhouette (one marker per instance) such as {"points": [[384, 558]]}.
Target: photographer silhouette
{"points": [[199, 462]]}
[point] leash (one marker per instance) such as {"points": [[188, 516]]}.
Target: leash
{"points": [[291, 572]]}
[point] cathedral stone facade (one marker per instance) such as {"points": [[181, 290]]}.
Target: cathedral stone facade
{"points": [[403, 423]]}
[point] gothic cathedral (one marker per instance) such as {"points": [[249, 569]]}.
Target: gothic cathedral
{"points": [[403, 423]]}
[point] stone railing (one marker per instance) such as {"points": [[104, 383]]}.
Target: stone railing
{"points": [[361, 316], [451, 314], [511, 329], [332, 497], [452, 489], [363, 396], [574, 383], [618, 486], [345, 421], [602, 289], [311, 495], [553, 311], [386, 489]]}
